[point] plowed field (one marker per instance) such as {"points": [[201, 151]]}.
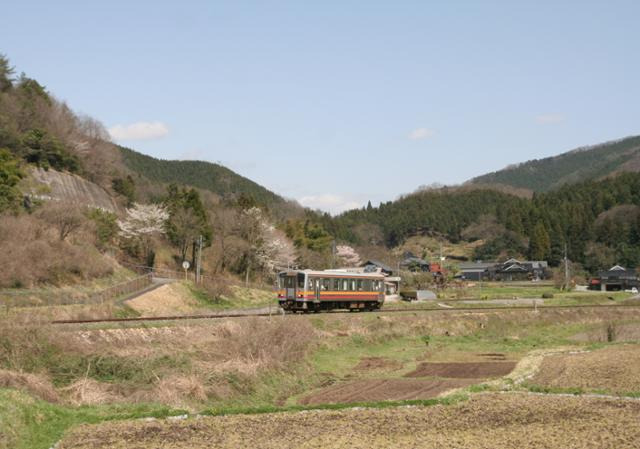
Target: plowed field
{"points": [[506, 421], [384, 390], [463, 370]]}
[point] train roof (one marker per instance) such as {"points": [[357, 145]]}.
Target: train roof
{"points": [[345, 273]]}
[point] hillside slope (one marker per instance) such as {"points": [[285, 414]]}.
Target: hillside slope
{"points": [[204, 175], [582, 164], [68, 187]]}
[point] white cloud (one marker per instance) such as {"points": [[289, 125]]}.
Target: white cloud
{"points": [[549, 119], [139, 131], [421, 133], [329, 202]]}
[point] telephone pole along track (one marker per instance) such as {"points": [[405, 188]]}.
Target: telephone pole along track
{"points": [[382, 311]]}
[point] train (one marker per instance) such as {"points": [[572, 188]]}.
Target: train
{"points": [[314, 291]]}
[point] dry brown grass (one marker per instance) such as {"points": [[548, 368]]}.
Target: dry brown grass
{"points": [[507, 421], [36, 385], [610, 331], [87, 391], [167, 300], [179, 366]]}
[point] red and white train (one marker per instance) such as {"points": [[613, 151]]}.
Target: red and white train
{"points": [[313, 291]]}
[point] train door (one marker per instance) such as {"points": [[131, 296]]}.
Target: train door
{"points": [[315, 283], [289, 286]]}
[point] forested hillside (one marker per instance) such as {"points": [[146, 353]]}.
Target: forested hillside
{"points": [[204, 175], [153, 210], [250, 232], [447, 212], [542, 175], [598, 221]]}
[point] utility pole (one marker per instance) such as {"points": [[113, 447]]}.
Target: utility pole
{"points": [[566, 269], [333, 254], [199, 261]]}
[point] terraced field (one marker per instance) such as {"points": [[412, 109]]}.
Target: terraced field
{"points": [[487, 421], [56, 380], [613, 369]]}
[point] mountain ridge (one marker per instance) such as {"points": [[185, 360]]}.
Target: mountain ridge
{"points": [[580, 164]]}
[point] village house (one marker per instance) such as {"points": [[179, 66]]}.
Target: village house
{"points": [[412, 263], [616, 278], [391, 282], [510, 270]]}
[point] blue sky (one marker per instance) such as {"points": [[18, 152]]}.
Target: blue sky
{"points": [[335, 103]]}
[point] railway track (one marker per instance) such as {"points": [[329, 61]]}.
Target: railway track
{"points": [[278, 312]]}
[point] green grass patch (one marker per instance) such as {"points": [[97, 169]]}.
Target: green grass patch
{"points": [[238, 298], [479, 388], [447, 400], [534, 388], [28, 423], [553, 390]]}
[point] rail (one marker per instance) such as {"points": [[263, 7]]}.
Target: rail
{"points": [[381, 311]]}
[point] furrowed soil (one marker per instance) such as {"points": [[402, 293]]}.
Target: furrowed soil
{"points": [[487, 421], [613, 369], [377, 363], [383, 390], [463, 370]]}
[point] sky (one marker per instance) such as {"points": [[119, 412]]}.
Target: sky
{"points": [[337, 103]]}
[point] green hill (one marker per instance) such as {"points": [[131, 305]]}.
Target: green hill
{"points": [[595, 162], [204, 175]]}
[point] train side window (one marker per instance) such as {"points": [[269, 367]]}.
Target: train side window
{"points": [[352, 285], [326, 284], [301, 277], [359, 285], [368, 285]]}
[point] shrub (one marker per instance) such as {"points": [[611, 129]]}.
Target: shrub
{"points": [[105, 226], [32, 254], [547, 295], [216, 287], [10, 175]]}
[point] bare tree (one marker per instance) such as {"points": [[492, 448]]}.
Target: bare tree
{"points": [[185, 229], [65, 217], [251, 224], [226, 228]]}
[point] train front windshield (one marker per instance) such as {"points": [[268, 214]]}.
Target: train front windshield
{"points": [[293, 280]]}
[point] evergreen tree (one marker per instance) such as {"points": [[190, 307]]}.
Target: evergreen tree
{"points": [[539, 243], [6, 72]]}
